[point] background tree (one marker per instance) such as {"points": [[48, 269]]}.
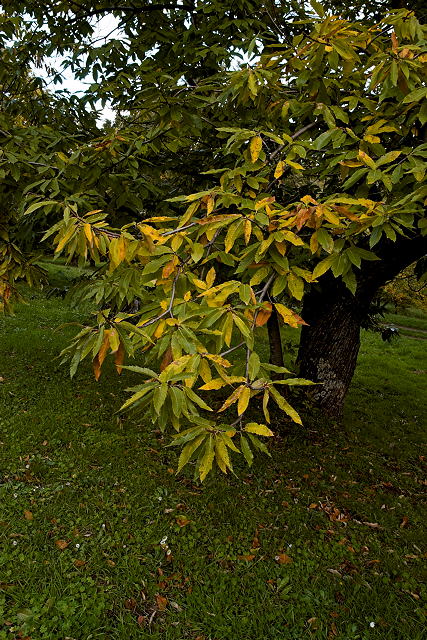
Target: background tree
{"points": [[305, 174]]}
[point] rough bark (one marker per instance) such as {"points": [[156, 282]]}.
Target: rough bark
{"points": [[329, 346]]}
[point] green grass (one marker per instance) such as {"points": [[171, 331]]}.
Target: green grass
{"points": [[75, 475]]}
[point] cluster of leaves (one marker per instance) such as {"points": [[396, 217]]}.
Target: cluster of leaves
{"points": [[320, 153]]}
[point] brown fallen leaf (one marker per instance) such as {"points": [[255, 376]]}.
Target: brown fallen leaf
{"points": [[182, 521], [61, 544], [28, 515], [248, 557], [283, 558], [79, 563], [161, 602], [404, 523], [130, 604]]}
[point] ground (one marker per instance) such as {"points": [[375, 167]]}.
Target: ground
{"points": [[100, 539]]}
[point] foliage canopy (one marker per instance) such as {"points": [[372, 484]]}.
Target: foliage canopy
{"points": [[299, 163]]}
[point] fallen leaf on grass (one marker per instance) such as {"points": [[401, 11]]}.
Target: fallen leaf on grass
{"points": [[61, 544], [405, 521], [182, 521], [28, 515], [79, 563], [130, 604], [248, 557], [161, 602], [283, 558]]}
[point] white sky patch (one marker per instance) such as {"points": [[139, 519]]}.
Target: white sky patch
{"points": [[106, 28]]}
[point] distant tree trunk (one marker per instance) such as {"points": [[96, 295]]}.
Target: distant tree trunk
{"points": [[330, 343]]}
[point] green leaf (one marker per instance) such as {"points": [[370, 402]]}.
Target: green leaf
{"points": [[190, 448], [253, 365], [416, 95], [207, 459], [38, 205], [285, 406], [246, 450], [160, 396]]}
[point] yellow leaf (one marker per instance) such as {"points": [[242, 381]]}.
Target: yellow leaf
{"points": [[244, 398], [289, 317], [255, 147], [169, 268], [247, 230], [114, 340], [210, 205], [28, 515], [205, 370], [232, 398], [259, 429], [218, 383], [367, 159], [88, 232], [279, 169], [372, 139], [210, 277]]}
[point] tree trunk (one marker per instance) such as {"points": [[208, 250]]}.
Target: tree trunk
{"points": [[274, 340], [330, 343]]}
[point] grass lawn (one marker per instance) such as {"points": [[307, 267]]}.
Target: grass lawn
{"points": [[100, 540]]}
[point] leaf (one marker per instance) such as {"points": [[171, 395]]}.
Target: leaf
{"points": [[283, 558], [288, 316], [279, 169], [416, 95], [253, 365], [258, 429], [161, 602], [189, 449], [61, 544], [255, 147], [232, 398], [285, 406], [119, 357], [246, 450], [367, 159], [159, 397], [243, 402], [37, 205], [296, 286], [263, 314], [28, 515], [221, 455], [207, 459]]}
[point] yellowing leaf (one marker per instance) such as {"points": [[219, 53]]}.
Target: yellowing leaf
{"points": [[247, 230], [279, 169], [263, 314], [232, 398], [367, 159], [289, 317], [371, 139], [119, 357], [243, 403], [207, 459], [259, 429], [218, 383], [255, 147]]}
